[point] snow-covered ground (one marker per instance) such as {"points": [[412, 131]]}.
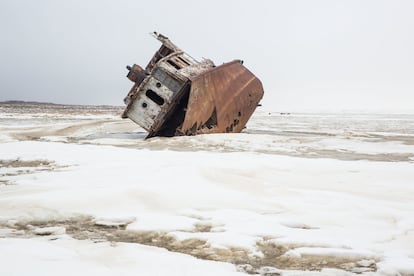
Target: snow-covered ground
{"points": [[294, 194]]}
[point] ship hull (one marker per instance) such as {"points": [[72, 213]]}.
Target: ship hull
{"points": [[222, 100], [177, 95]]}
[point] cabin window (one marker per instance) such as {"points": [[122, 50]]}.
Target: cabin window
{"points": [[183, 60], [173, 64], [144, 105], [154, 97]]}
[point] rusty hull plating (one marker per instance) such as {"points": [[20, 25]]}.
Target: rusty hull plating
{"points": [[177, 95]]}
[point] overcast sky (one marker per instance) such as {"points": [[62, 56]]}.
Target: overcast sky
{"points": [[321, 55]]}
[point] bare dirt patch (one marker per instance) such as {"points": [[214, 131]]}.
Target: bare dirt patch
{"points": [[271, 258], [5, 182], [25, 163], [15, 167]]}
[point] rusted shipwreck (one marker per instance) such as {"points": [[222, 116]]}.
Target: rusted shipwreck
{"points": [[178, 95]]}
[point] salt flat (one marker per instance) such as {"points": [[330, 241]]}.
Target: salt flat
{"points": [[81, 191]]}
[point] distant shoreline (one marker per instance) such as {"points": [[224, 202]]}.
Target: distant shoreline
{"points": [[16, 102], [28, 102]]}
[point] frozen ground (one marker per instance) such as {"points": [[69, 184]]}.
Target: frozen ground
{"points": [[81, 191]]}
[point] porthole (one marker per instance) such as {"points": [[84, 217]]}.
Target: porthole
{"points": [[154, 97]]}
